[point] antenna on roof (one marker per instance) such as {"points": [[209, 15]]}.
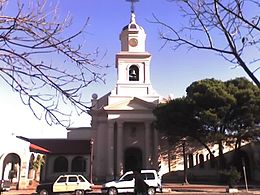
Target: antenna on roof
{"points": [[132, 5]]}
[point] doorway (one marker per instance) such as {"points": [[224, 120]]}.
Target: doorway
{"points": [[133, 159]]}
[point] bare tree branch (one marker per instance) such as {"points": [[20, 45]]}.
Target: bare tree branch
{"points": [[221, 26], [43, 63]]}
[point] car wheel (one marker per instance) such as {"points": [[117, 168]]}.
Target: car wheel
{"points": [[112, 191], [79, 192], [43, 192], [151, 191]]}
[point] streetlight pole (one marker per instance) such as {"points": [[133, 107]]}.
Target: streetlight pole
{"points": [[91, 160], [185, 180]]}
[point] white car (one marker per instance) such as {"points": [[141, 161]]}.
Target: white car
{"points": [[125, 184]]}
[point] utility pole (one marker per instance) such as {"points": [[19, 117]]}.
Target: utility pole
{"points": [[185, 177], [91, 159]]}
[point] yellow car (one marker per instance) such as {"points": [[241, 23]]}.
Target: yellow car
{"points": [[65, 183]]}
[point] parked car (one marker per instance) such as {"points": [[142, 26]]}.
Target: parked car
{"points": [[65, 183], [125, 184], [4, 185]]}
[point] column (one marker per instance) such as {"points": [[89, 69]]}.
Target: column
{"points": [[147, 145], [23, 180], [156, 147], [110, 150], [120, 148], [69, 159]]}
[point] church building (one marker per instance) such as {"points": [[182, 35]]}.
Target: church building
{"points": [[122, 120], [122, 136]]}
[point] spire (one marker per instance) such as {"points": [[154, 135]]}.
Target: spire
{"points": [[132, 20], [132, 5], [132, 35]]}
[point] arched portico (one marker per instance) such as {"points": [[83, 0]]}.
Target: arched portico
{"points": [[133, 159], [11, 167]]}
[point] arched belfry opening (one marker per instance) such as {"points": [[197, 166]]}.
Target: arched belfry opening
{"points": [[133, 73], [133, 159]]}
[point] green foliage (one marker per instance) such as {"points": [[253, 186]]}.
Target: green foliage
{"points": [[38, 163], [244, 119], [176, 118], [213, 111], [231, 176], [212, 103]]}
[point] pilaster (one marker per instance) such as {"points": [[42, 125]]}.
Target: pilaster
{"points": [[155, 148], [110, 150], [147, 145], [119, 148]]}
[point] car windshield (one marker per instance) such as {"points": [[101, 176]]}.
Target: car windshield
{"points": [[127, 177], [81, 179]]}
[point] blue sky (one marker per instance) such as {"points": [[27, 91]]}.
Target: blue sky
{"points": [[171, 71]]}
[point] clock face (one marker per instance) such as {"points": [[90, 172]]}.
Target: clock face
{"points": [[133, 42]]}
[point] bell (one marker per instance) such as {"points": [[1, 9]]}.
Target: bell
{"points": [[132, 73]]}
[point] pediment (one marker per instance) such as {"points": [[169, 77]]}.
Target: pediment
{"points": [[131, 104]]}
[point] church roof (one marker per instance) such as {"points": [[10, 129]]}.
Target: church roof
{"points": [[133, 103]]}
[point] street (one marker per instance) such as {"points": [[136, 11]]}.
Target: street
{"points": [[169, 188]]}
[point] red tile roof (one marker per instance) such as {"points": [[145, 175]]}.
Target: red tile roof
{"points": [[62, 146], [36, 148]]}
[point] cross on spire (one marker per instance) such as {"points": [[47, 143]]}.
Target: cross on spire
{"points": [[132, 5]]}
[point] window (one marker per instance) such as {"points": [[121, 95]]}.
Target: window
{"points": [[60, 164], [191, 163], [201, 160], [78, 164], [207, 157], [73, 179], [133, 73], [62, 180], [31, 161], [197, 159], [149, 176]]}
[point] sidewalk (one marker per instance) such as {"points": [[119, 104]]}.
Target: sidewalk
{"points": [[173, 188], [170, 188]]}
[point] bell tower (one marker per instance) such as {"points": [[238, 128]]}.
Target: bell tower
{"points": [[133, 64], [122, 120]]}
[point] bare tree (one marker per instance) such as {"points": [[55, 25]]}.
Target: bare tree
{"points": [[230, 28], [42, 62]]}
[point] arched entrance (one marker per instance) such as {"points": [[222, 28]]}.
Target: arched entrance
{"points": [[133, 159], [11, 167]]}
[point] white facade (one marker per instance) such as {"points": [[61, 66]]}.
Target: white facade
{"points": [[122, 120], [14, 161]]}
